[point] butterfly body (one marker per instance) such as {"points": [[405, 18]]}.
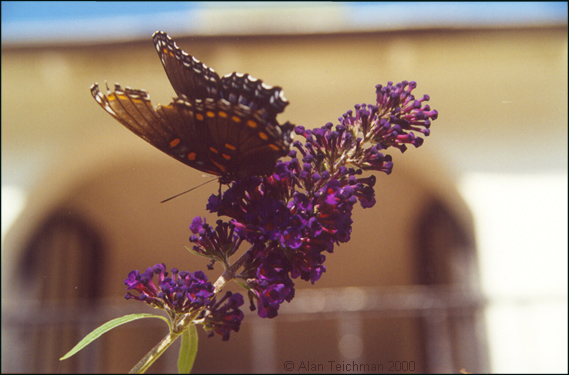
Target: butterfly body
{"points": [[223, 126]]}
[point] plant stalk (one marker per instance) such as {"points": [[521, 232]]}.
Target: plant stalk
{"points": [[154, 354]]}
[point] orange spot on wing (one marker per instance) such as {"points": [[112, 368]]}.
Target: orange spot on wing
{"points": [[220, 166]]}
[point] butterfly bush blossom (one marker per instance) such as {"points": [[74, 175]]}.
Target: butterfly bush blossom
{"points": [[293, 217], [186, 293]]}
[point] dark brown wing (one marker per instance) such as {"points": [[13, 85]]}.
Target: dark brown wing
{"points": [[254, 93], [236, 142], [189, 76], [226, 127], [168, 128], [214, 136]]}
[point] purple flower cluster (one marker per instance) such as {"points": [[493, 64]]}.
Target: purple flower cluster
{"points": [[185, 293], [291, 218], [223, 316], [217, 244], [296, 215]]}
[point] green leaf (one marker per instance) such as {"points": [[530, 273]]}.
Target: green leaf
{"points": [[98, 332], [242, 284], [188, 350], [196, 253]]}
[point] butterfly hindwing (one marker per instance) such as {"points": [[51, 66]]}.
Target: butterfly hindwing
{"points": [[192, 142], [252, 92], [232, 140]]}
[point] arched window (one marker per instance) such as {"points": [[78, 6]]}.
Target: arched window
{"points": [[59, 269]]}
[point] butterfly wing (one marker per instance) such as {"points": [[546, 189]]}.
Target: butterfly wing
{"points": [[226, 127], [253, 93], [235, 142], [168, 128], [235, 149], [188, 76]]}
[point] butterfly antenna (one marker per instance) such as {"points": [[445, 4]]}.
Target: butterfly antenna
{"points": [[187, 191]]}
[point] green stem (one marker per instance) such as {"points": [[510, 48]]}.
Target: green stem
{"points": [[230, 272], [154, 354]]}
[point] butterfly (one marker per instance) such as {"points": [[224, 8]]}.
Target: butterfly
{"points": [[224, 126]]}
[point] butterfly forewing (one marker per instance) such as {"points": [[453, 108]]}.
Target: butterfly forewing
{"points": [[134, 110], [188, 76]]}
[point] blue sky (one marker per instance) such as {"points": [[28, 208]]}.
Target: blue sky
{"points": [[61, 20]]}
